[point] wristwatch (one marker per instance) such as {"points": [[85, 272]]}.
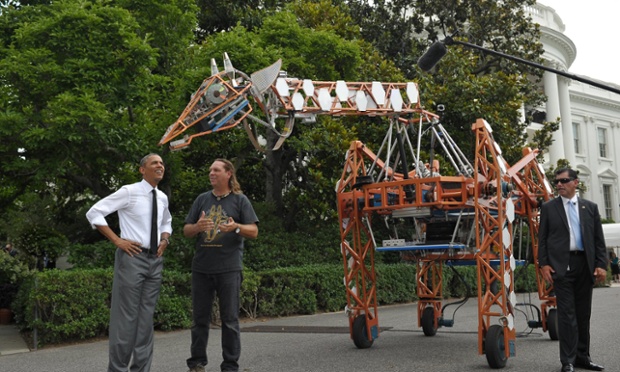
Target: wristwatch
{"points": [[167, 240], [238, 229]]}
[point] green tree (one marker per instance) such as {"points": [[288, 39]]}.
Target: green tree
{"points": [[84, 93], [33, 231], [73, 77], [216, 16], [390, 26], [299, 177], [470, 83], [167, 26], [89, 87], [305, 53]]}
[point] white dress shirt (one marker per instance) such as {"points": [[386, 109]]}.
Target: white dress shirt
{"points": [[133, 204]]}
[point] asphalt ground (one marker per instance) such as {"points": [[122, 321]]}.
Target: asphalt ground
{"points": [[321, 343]]}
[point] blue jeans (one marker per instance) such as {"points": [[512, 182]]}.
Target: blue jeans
{"points": [[205, 287]]}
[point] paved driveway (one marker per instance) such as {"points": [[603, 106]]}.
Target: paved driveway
{"points": [[321, 343]]}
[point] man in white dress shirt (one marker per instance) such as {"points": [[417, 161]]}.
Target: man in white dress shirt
{"points": [[145, 228]]}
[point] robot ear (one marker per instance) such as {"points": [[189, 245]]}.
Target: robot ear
{"points": [[265, 78]]}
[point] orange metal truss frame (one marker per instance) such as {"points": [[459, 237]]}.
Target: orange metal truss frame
{"points": [[493, 252]]}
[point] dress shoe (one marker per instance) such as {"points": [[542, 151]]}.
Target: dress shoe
{"points": [[590, 366], [567, 368]]}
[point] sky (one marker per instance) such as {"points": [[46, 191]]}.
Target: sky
{"points": [[593, 27]]}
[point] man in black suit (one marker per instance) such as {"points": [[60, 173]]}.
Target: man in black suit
{"points": [[572, 256]]}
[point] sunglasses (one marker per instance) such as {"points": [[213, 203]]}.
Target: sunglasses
{"points": [[563, 180]]}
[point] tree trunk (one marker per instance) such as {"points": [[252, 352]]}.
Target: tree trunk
{"points": [[274, 171]]}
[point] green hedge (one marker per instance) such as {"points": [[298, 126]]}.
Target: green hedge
{"points": [[74, 305], [174, 307], [302, 290], [65, 305]]}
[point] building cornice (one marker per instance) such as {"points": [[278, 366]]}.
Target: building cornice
{"points": [[564, 45], [594, 100]]}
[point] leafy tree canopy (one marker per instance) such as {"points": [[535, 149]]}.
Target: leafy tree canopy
{"points": [[88, 87], [80, 101]]}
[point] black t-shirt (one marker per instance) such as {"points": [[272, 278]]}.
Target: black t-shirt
{"points": [[219, 252]]}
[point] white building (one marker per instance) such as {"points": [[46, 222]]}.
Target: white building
{"points": [[589, 116]]}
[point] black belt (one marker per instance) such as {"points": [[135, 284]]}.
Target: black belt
{"points": [[577, 253], [148, 251]]}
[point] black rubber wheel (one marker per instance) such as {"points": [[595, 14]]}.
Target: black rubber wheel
{"points": [[494, 347], [552, 324], [428, 321], [360, 336]]}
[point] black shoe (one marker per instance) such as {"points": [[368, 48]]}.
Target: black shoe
{"points": [[567, 368], [591, 366]]}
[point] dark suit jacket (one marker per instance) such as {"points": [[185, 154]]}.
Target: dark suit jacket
{"points": [[554, 236]]}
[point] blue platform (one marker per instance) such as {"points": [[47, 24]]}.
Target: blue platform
{"points": [[473, 262], [423, 247]]}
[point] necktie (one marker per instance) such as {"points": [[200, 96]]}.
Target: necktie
{"points": [[154, 223], [574, 223]]}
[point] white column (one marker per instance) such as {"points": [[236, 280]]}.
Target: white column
{"points": [[566, 124], [615, 138], [556, 150]]}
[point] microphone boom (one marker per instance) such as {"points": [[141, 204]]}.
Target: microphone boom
{"points": [[432, 56]]}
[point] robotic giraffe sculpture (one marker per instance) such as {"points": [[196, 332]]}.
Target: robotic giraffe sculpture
{"points": [[471, 217]]}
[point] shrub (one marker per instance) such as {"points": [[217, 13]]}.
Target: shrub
{"points": [[39, 242], [12, 271], [174, 306], [99, 255], [525, 279], [396, 283], [7, 295], [276, 247], [460, 281], [287, 291], [74, 305], [249, 293], [280, 249], [69, 304], [12, 274]]}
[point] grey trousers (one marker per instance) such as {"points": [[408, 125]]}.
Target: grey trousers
{"points": [[137, 281]]}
